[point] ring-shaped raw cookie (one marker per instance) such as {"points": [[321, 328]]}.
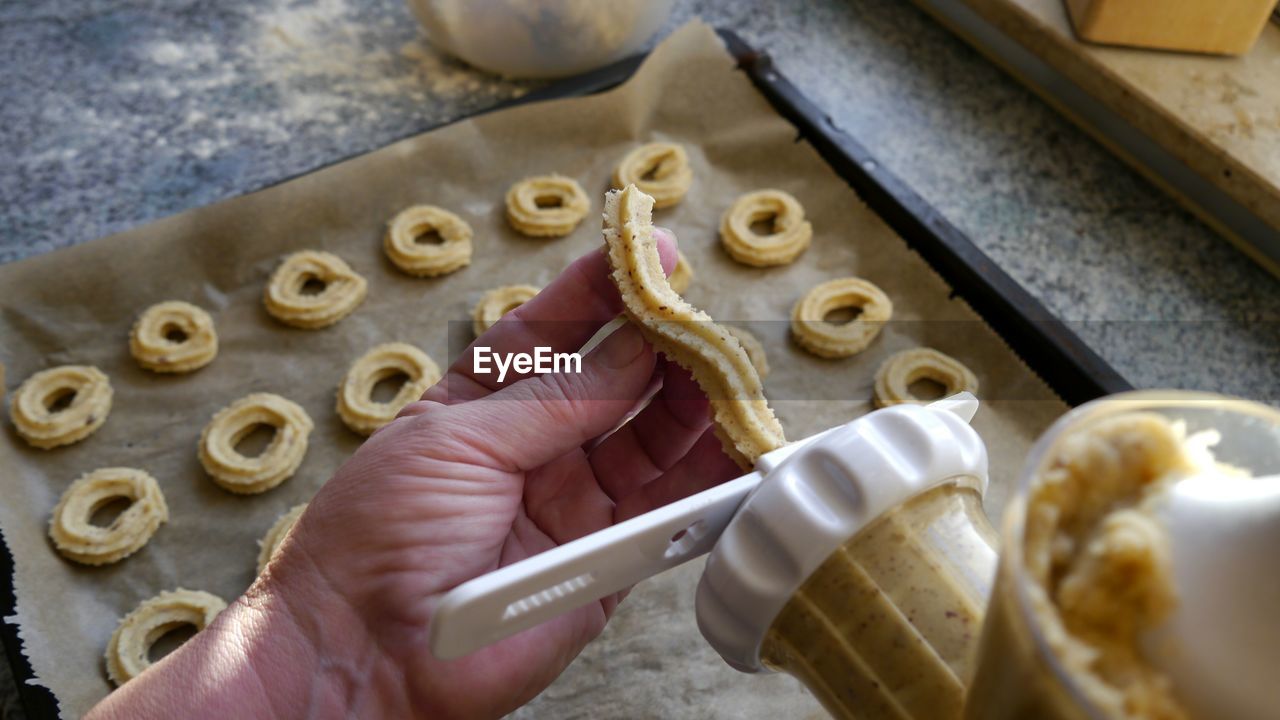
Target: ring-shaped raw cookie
{"points": [[682, 277], [498, 302], [563, 207], [128, 652], [790, 236], [428, 259], [356, 405], [829, 340], [660, 170], [270, 542], [755, 351], [173, 337], [44, 427], [78, 539], [282, 456], [900, 370], [343, 290]]}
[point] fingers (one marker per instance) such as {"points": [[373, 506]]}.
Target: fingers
{"points": [[563, 317], [536, 420], [656, 439], [704, 466]]}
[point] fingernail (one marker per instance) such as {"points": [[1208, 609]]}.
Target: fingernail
{"points": [[622, 347], [668, 232]]}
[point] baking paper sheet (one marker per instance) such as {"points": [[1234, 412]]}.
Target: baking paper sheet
{"points": [[76, 306]]}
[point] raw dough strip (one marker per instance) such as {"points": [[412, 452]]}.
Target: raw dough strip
{"points": [[498, 302], [76, 538], [791, 232], [555, 221], [746, 426], [682, 277], [426, 259], [356, 405], [128, 651], [755, 351], [244, 475], [666, 162], [829, 340], [894, 378], [343, 291], [270, 542], [45, 428], [150, 345]]}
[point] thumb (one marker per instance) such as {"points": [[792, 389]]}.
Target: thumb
{"points": [[538, 419]]}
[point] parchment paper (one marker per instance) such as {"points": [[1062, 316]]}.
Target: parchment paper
{"points": [[76, 306]]}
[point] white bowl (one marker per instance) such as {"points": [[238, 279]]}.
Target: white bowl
{"points": [[540, 38]]}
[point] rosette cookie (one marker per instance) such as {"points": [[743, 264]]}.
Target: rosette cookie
{"points": [[720, 365], [546, 205], [128, 652], [356, 405], [76, 537], [282, 456], [900, 370], [271, 541], [405, 246], [682, 277], [173, 337], [313, 289], [830, 340], [498, 302], [789, 233], [61, 405], [660, 170]]}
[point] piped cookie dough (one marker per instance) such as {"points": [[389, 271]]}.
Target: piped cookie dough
{"points": [[498, 302], [404, 244], [76, 538], [356, 405], [546, 205], [270, 542], [660, 170], [900, 370], [1098, 558], [755, 351], [789, 233], [130, 646], [829, 340], [173, 337], [61, 405], [277, 463], [313, 289], [720, 365]]}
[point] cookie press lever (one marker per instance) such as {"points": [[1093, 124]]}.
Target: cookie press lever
{"points": [[900, 447]]}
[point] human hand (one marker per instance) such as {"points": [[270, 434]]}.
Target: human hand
{"points": [[476, 476]]}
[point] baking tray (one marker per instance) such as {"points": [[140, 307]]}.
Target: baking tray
{"points": [[1044, 343]]}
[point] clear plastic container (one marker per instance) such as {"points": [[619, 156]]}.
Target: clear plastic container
{"points": [[1018, 674], [885, 627], [540, 38]]}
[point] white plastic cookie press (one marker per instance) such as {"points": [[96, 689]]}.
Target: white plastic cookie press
{"points": [[897, 452]]}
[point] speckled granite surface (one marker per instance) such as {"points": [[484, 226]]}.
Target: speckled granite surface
{"points": [[116, 112]]}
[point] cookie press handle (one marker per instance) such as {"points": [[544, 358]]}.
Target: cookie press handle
{"points": [[532, 591]]}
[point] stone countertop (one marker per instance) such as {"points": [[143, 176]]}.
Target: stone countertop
{"points": [[118, 112]]}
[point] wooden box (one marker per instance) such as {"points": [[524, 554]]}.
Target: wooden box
{"points": [[1226, 27]]}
